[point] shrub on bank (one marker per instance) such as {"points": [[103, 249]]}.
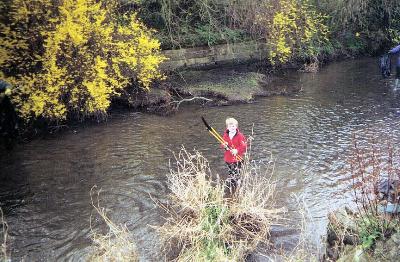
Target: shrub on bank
{"points": [[295, 30], [376, 188], [375, 182], [70, 57]]}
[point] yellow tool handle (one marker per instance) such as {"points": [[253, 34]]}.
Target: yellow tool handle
{"points": [[222, 141], [217, 134], [218, 137]]}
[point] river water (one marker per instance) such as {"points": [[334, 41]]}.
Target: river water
{"points": [[45, 184]]}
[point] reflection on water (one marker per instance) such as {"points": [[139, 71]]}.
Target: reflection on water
{"points": [[45, 184]]}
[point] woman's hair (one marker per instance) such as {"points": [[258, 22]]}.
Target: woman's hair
{"points": [[232, 120]]}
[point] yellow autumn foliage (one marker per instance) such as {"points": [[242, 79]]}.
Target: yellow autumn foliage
{"points": [[79, 55], [295, 30], [20, 25]]}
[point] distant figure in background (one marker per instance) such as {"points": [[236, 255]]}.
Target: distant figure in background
{"points": [[8, 117], [394, 51], [385, 65]]}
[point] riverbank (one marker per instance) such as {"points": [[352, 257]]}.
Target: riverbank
{"points": [[370, 230], [212, 87], [222, 75]]}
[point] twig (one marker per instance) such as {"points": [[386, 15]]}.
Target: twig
{"points": [[189, 99]]}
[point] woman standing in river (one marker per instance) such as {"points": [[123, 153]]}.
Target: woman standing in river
{"points": [[235, 148]]}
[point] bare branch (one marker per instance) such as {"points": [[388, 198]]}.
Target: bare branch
{"points": [[178, 103]]}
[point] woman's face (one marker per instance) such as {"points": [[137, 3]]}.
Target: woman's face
{"points": [[231, 127]]}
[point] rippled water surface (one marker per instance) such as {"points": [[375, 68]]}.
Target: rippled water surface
{"points": [[45, 184]]}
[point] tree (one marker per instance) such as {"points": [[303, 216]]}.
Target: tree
{"points": [[295, 30]]}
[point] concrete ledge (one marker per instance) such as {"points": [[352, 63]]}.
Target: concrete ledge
{"points": [[208, 56]]}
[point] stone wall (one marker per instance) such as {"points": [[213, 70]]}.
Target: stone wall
{"points": [[209, 56]]}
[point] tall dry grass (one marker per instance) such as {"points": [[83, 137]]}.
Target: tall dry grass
{"points": [[4, 254], [206, 225], [117, 244], [306, 248]]}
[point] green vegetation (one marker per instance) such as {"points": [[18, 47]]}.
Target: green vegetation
{"points": [[373, 228], [183, 23], [229, 85]]}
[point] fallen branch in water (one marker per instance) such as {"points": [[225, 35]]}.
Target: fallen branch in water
{"points": [[188, 100]]}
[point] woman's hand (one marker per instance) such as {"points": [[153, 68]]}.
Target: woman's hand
{"points": [[234, 151]]}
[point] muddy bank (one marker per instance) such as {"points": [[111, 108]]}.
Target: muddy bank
{"points": [[213, 87]]}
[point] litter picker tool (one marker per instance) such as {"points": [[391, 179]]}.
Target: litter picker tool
{"points": [[219, 137]]}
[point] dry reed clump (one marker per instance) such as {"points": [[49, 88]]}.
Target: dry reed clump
{"points": [[305, 249], [4, 255], [208, 226], [116, 245], [310, 67]]}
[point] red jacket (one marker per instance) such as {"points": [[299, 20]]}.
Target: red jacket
{"points": [[238, 142]]}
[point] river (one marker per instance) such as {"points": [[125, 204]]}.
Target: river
{"points": [[45, 183]]}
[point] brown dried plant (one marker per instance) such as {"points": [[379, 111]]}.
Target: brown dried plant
{"points": [[117, 244], [375, 182], [4, 255], [207, 225]]}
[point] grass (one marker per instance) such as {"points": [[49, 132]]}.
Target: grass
{"points": [[208, 226], [230, 84], [116, 245], [372, 228]]}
